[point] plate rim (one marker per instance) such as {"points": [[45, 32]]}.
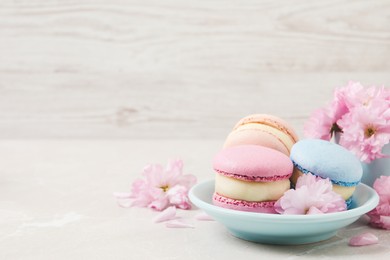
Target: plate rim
{"points": [[370, 204]]}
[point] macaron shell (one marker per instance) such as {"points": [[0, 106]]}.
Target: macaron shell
{"points": [[253, 163], [271, 120], [327, 160], [256, 137], [249, 206]]}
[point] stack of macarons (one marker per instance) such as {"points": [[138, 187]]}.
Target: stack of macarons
{"points": [[253, 168], [262, 157]]}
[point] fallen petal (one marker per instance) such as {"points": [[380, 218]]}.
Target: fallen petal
{"points": [[364, 239], [203, 217], [177, 223], [167, 214], [125, 203], [122, 195]]}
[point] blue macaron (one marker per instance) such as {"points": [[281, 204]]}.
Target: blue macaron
{"points": [[327, 160]]}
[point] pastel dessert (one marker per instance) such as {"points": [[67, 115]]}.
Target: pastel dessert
{"points": [[250, 178], [265, 130], [327, 160]]}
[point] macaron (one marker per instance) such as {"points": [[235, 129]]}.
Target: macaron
{"points": [[327, 160], [250, 178], [265, 130]]}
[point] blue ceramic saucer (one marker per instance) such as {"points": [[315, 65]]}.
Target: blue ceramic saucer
{"points": [[283, 229]]}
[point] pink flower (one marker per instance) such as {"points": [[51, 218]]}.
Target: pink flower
{"points": [[161, 188], [312, 195], [322, 123], [361, 115], [319, 124], [356, 95], [178, 196], [382, 187], [380, 216], [366, 131], [351, 95]]}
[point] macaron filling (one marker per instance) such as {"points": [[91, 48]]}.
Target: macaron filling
{"points": [[336, 182], [250, 191], [254, 178]]}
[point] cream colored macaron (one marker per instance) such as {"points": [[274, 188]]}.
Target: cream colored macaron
{"points": [[265, 130]]}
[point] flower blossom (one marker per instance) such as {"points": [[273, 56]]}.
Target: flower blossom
{"points": [[380, 216], [356, 95], [312, 195], [322, 123], [365, 132], [161, 188], [361, 116]]}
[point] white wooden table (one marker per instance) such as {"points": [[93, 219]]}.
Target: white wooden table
{"points": [[56, 203]]}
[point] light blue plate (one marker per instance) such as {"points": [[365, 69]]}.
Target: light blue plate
{"points": [[283, 229]]}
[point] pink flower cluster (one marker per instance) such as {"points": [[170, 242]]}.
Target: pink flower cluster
{"points": [[380, 216], [362, 117], [312, 195], [160, 188]]}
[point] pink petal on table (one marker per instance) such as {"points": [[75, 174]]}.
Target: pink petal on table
{"points": [[177, 223], [364, 239], [167, 214], [203, 217], [125, 203], [122, 195]]}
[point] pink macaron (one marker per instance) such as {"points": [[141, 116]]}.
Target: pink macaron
{"points": [[250, 178]]}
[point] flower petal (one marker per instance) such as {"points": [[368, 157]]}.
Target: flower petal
{"points": [[165, 215], [178, 196], [364, 239], [160, 203], [177, 223], [203, 217], [385, 220], [313, 210], [125, 203]]}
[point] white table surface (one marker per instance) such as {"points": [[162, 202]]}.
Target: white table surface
{"points": [[56, 203]]}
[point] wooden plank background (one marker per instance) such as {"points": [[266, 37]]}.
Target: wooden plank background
{"points": [[179, 69]]}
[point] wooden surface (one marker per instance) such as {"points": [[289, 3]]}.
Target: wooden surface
{"points": [[179, 69]]}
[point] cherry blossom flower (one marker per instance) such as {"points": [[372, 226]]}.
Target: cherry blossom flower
{"points": [[178, 196], [361, 116], [312, 195], [161, 188], [320, 124], [365, 132], [351, 95], [380, 216]]}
